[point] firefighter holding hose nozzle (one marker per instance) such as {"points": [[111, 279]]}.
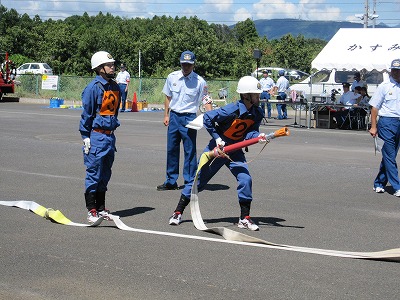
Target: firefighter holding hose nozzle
{"points": [[228, 125]]}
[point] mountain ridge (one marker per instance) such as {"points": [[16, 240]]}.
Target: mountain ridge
{"points": [[324, 30]]}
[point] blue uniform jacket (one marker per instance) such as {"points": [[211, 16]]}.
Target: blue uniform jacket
{"points": [[233, 123], [92, 98]]}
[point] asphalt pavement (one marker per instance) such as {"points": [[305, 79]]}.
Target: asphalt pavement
{"points": [[311, 189]]}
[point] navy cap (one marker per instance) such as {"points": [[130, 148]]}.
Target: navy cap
{"points": [[187, 57], [395, 64]]}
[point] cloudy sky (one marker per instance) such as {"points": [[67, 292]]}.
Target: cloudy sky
{"points": [[214, 11]]}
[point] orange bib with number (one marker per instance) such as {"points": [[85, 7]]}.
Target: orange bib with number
{"points": [[110, 103], [238, 129]]}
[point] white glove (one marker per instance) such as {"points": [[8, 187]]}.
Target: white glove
{"points": [[207, 100], [86, 145], [220, 143], [262, 139]]}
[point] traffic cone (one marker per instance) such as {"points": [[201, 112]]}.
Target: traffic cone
{"points": [[134, 103]]}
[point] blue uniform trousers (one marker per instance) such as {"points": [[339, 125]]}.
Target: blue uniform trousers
{"points": [[238, 168], [389, 132], [266, 96], [99, 162], [281, 108], [124, 94], [177, 132]]}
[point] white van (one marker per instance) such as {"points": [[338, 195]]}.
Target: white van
{"points": [[324, 81], [35, 68]]}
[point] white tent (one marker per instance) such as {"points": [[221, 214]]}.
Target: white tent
{"points": [[360, 48]]}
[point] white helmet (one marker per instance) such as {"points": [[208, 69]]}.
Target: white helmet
{"points": [[101, 57], [248, 84]]}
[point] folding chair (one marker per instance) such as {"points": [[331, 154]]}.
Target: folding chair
{"points": [[357, 119], [347, 119]]}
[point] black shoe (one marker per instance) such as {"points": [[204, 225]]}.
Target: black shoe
{"points": [[167, 187]]}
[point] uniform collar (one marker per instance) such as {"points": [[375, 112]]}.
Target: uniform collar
{"points": [[243, 109], [188, 77], [394, 81], [101, 80]]}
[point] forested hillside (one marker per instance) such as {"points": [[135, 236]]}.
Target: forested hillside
{"points": [[222, 52]]}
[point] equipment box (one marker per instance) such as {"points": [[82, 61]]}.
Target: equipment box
{"points": [[56, 102], [142, 105], [325, 121]]}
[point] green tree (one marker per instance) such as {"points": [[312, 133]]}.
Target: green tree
{"points": [[295, 52], [222, 52], [245, 32]]}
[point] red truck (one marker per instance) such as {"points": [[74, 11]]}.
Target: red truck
{"points": [[7, 77]]}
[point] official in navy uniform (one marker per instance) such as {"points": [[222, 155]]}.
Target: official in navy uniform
{"points": [[281, 86], [123, 79], [184, 91], [267, 83], [385, 104]]}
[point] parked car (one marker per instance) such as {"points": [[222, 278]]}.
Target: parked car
{"points": [[324, 82], [296, 74], [273, 72], [34, 68]]}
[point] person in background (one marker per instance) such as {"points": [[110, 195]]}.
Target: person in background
{"points": [[348, 99], [281, 86], [357, 81], [123, 79], [357, 91], [184, 91], [267, 83], [365, 97], [360, 108], [230, 124], [100, 100], [385, 104]]}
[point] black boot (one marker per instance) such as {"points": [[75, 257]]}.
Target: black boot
{"points": [[244, 209], [90, 199], [183, 202], [100, 201]]}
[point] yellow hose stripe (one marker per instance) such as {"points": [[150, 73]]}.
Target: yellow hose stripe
{"points": [[57, 216], [41, 211]]}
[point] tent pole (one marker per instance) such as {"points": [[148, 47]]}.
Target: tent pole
{"points": [[309, 102]]}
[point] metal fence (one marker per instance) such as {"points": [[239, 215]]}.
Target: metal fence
{"points": [[70, 88]]}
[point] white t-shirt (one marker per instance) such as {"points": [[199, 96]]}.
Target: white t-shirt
{"points": [[123, 77]]}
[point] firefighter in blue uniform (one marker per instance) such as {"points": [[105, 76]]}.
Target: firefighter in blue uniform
{"points": [[100, 100], [230, 124]]}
